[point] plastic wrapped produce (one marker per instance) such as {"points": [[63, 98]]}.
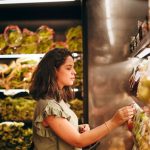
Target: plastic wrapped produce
{"points": [[13, 136], [79, 69], [45, 36], [4, 72], [29, 43], [17, 109], [13, 35], [44, 32], [9, 50], [77, 107], [74, 39], [143, 89], [141, 130], [60, 44], [3, 43], [29, 37], [3, 68], [140, 81], [18, 74], [44, 45], [6, 69], [140, 88], [27, 49]]}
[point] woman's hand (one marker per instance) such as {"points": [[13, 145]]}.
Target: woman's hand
{"points": [[146, 109], [84, 128], [122, 115]]}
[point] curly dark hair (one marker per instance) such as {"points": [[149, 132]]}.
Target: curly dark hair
{"points": [[43, 82]]}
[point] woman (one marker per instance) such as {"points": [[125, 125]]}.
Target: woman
{"points": [[55, 126]]}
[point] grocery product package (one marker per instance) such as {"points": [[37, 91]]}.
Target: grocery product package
{"points": [[140, 91], [141, 130]]}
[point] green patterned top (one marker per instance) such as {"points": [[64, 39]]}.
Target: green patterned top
{"points": [[43, 137]]}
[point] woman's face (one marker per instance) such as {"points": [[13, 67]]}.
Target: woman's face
{"points": [[65, 74]]}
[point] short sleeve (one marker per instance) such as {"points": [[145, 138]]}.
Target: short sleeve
{"points": [[52, 108]]}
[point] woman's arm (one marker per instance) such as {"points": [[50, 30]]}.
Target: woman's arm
{"points": [[70, 134]]}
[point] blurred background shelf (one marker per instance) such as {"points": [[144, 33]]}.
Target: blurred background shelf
{"points": [[13, 91], [21, 56]]}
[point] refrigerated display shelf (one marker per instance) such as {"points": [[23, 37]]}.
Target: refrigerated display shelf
{"points": [[144, 53], [22, 56], [142, 45], [16, 91], [13, 91], [74, 54]]}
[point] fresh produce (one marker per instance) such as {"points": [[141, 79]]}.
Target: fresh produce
{"points": [[16, 109], [9, 50], [18, 74], [2, 43], [44, 32], [141, 131], [45, 35], [27, 49], [74, 39], [143, 91], [44, 45], [4, 71], [140, 81], [13, 35], [79, 76], [3, 68], [13, 136], [15, 41], [29, 37], [77, 107], [60, 44], [140, 84], [29, 42]]}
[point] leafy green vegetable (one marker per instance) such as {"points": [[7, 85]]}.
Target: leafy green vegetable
{"points": [[74, 38], [2, 43], [13, 35]]}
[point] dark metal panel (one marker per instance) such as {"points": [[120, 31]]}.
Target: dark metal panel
{"points": [[85, 61]]}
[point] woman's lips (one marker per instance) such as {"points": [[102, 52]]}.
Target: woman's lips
{"points": [[72, 78]]}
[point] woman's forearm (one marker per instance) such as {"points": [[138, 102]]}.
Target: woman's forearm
{"points": [[96, 134]]}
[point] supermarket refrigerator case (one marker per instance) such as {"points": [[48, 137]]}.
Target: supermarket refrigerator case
{"points": [[106, 77], [109, 91]]}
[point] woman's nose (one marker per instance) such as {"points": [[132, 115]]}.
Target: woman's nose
{"points": [[74, 72]]}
